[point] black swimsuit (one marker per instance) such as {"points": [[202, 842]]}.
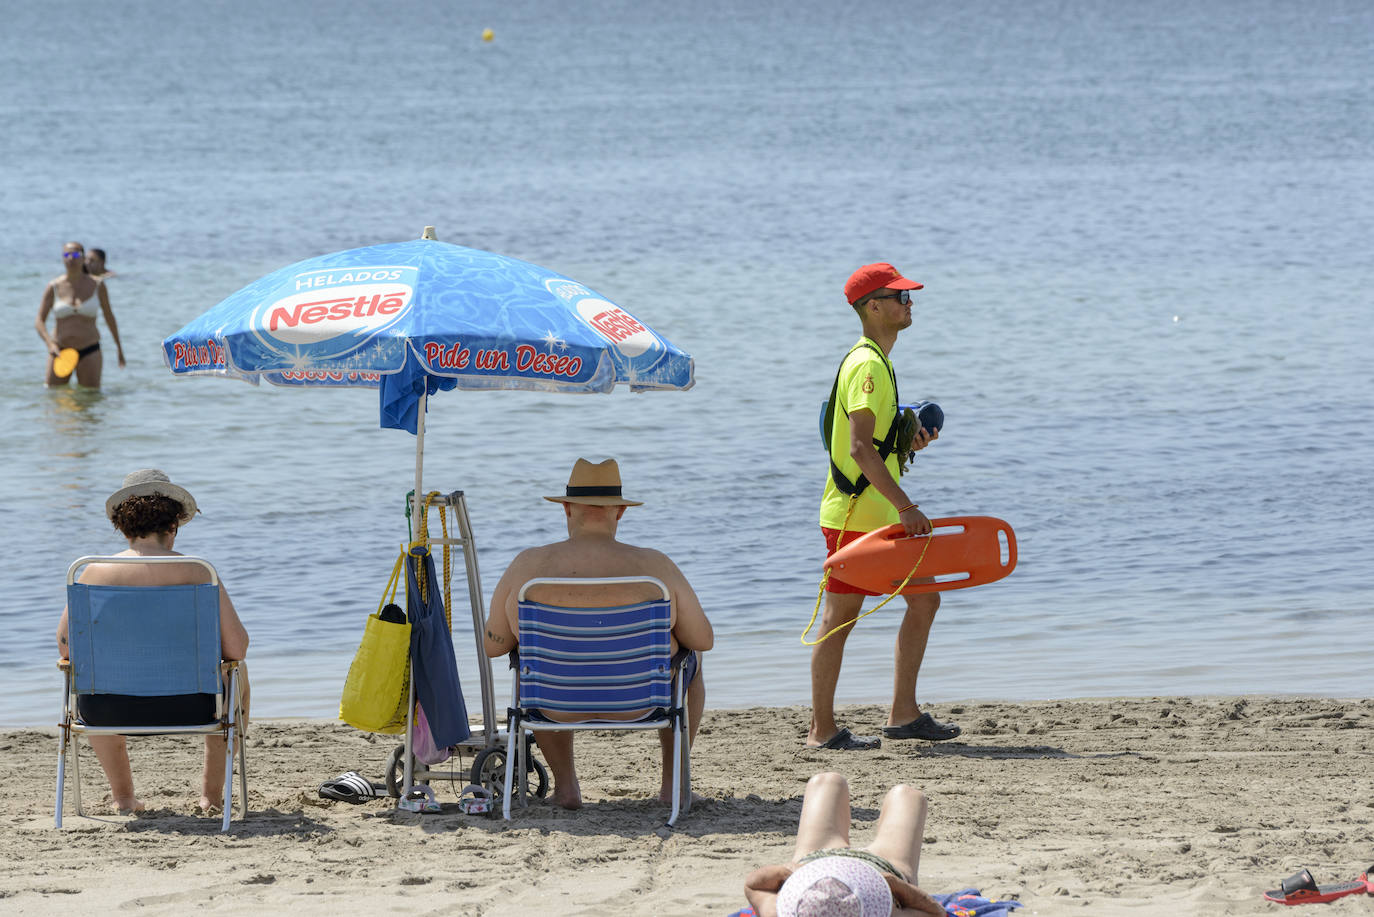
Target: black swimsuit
{"points": [[128, 710]]}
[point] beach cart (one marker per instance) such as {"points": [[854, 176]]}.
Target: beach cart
{"points": [[487, 744]]}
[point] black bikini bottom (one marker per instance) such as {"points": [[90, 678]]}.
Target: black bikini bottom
{"points": [[87, 351]]}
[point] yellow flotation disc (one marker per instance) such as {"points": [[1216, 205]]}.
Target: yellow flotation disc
{"points": [[65, 362]]}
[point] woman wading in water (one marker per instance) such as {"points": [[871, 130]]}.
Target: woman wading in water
{"points": [[75, 299]]}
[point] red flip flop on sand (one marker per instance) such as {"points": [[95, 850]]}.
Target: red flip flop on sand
{"points": [[1301, 888]]}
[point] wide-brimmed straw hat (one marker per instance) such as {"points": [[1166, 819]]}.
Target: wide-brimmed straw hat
{"points": [[594, 485], [835, 886], [148, 481]]}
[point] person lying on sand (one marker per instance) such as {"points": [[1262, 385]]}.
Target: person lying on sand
{"points": [[826, 875]]}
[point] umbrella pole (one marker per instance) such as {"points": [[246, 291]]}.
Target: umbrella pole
{"points": [[420, 446], [408, 779]]}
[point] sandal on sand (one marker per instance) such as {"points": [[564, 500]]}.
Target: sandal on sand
{"points": [[844, 740], [351, 787], [925, 727], [1301, 888]]}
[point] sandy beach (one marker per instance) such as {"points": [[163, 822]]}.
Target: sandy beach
{"points": [[1115, 806]]}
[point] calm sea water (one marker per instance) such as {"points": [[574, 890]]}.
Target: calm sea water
{"points": [[1144, 233]]}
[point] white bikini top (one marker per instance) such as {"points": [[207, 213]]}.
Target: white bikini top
{"points": [[90, 308]]}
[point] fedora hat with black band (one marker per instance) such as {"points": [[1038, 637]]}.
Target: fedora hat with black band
{"points": [[594, 485]]}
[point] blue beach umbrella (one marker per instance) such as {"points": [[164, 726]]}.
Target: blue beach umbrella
{"points": [[413, 318]]}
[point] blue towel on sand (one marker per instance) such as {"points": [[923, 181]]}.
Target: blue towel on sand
{"points": [[969, 903], [966, 903]]}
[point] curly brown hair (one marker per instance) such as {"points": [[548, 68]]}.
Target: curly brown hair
{"points": [[150, 515]]}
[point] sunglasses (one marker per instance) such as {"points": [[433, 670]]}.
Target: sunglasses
{"points": [[902, 296], [70, 255]]}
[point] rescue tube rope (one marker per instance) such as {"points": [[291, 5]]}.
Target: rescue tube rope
{"points": [[430, 498], [825, 578]]}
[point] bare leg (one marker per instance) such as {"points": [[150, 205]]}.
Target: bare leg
{"points": [[113, 754], [824, 821], [557, 748], [826, 658], [88, 370], [212, 774], [53, 378], [696, 702], [911, 650], [901, 828]]}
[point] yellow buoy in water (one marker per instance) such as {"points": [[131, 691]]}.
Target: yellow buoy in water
{"points": [[65, 362], [488, 34]]}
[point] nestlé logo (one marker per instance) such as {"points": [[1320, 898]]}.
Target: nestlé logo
{"points": [[331, 311]]}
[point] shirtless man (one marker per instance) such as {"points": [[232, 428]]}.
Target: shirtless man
{"points": [[95, 264], [593, 506]]}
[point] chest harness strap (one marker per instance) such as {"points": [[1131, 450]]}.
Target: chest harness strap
{"points": [[885, 446]]}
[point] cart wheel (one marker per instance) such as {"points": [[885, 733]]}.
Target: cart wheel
{"points": [[396, 771], [541, 778], [489, 772]]}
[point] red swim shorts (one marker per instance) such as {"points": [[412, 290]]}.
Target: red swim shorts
{"points": [[833, 542]]}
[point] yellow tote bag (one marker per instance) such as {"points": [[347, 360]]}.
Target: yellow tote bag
{"points": [[378, 684]]}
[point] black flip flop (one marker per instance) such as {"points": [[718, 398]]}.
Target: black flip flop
{"points": [[351, 787], [844, 740], [925, 727]]}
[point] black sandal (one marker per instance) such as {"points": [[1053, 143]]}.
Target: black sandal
{"points": [[351, 787], [844, 740], [925, 727]]}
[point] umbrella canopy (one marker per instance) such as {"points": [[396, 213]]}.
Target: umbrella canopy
{"points": [[412, 318]]}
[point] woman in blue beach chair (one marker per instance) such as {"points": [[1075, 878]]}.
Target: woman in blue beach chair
{"points": [[148, 510]]}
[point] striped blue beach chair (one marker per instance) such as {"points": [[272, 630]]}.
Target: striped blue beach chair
{"points": [[159, 643], [586, 652]]}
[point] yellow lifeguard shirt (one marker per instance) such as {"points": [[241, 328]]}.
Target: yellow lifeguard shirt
{"points": [[865, 381]]}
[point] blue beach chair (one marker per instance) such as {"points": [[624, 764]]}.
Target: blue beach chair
{"points": [[149, 642], [586, 649]]}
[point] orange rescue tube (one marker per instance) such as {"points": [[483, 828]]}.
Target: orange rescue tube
{"points": [[961, 551]]}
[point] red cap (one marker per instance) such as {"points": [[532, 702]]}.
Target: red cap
{"points": [[878, 276]]}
